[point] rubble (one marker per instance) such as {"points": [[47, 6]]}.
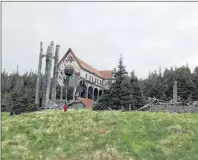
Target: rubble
{"points": [[72, 104], [156, 105], [75, 104]]}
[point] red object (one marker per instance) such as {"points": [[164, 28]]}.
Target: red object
{"points": [[87, 102], [65, 108]]}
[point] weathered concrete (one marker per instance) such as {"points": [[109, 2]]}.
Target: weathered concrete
{"points": [[61, 95], [175, 92], [48, 70], [174, 108], [39, 75], [45, 79], [74, 93], [55, 73]]}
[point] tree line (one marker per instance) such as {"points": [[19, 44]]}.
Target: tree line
{"points": [[130, 92], [18, 91]]}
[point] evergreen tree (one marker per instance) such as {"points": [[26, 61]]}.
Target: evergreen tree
{"points": [[136, 97], [142, 88], [125, 93], [185, 84], [115, 89], [104, 101]]}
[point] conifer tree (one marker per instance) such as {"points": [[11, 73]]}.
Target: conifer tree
{"points": [[125, 93], [115, 89], [104, 101], [137, 100]]}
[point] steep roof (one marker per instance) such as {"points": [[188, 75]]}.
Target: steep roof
{"points": [[89, 68], [103, 74], [107, 74]]}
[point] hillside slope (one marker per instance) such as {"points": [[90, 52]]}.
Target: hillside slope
{"points": [[90, 135]]}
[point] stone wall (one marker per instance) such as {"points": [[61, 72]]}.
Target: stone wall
{"points": [[174, 108]]}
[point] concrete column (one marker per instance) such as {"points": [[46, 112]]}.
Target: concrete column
{"points": [[175, 92], [45, 79], [74, 93], [48, 70], [39, 75], [66, 93], [93, 95], [87, 91], [55, 73], [129, 106], [61, 95]]}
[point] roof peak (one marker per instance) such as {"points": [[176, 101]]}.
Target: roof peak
{"points": [[88, 67]]}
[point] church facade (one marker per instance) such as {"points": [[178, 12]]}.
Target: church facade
{"points": [[92, 82]]}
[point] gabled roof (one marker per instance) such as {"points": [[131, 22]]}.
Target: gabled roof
{"points": [[89, 68], [107, 74], [103, 74]]}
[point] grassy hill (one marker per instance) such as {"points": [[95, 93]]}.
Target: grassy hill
{"points": [[90, 135]]}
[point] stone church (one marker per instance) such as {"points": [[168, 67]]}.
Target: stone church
{"points": [[92, 82]]}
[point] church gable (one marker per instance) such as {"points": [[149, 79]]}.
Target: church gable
{"points": [[69, 59]]}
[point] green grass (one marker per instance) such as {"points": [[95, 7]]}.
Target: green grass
{"points": [[104, 135]]}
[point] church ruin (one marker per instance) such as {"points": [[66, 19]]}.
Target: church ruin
{"points": [[88, 82]]}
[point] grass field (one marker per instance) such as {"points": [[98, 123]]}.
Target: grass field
{"points": [[104, 135]]}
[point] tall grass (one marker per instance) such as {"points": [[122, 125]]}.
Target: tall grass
{"points": [[104, 135]]}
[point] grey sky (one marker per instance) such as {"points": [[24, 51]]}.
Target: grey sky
{"points": [[148, 35]]}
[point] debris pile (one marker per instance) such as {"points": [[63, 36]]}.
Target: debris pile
{"points": [[156, 105], [75, 104], [72, 104]]}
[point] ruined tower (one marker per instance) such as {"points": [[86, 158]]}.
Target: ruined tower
{"points": [[47, 76], [55, 73], [48, 70], [39, 75], [175, 92]]}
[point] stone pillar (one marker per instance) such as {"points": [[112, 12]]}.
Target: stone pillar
{"points": [[175, 92], [97, 97], [39, 75], [87, 91], [66, 93], [129, 106], [61, 95], [93, 95], [48, 69], [45, 80], [55, 73], [74, 93]]}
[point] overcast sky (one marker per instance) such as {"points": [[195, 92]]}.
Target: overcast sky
{"points": [[148, 35]]}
